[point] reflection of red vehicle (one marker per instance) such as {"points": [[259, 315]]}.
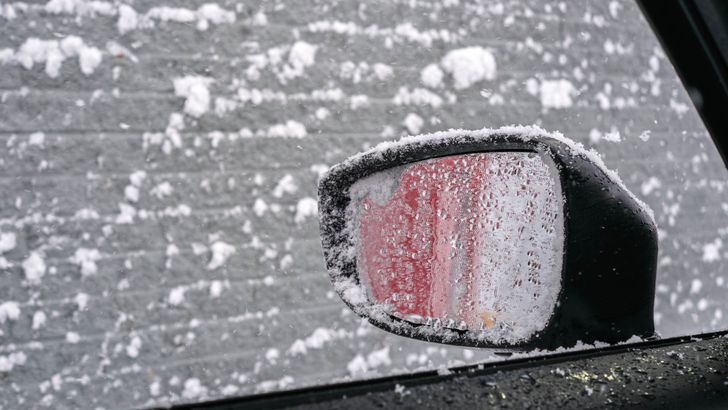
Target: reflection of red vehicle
{"points": [[469, 238], [422, 215]]}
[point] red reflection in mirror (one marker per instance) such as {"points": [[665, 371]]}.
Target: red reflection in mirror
{"points": [[426, 204], [474, 238]]}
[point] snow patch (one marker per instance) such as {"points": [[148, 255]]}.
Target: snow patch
{"points": [[221, 251], [432, 76], [557, 93], [286, 185], [195, 89], [34, 268], [193, 389], [9, 311], [711, 251], [7, 363], [86, 259], [39, 320], [418, 96], [469, 65], [7, 241], [413, 123], [305, 208], [176, 296], [52, 53]]}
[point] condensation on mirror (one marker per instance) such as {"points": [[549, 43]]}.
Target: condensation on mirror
{"points": [[470, 242]]}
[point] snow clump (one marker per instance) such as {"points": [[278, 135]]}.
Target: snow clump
{"points": [[195, 89], [52, 53], [469, 65]]}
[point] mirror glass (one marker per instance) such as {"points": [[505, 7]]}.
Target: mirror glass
{"points": [[472, 242]]}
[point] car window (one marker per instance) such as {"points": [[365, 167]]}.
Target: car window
{"points": [[158, 225]]}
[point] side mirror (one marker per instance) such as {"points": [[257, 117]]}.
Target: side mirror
{"points": [[508, 238]]}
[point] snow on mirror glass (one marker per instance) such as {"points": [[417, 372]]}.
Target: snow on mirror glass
{"points": [[469, 242]]}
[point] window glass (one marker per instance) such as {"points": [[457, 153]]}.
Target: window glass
{"points": [[158, 230]]}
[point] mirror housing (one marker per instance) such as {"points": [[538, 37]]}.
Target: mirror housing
{"points": [[609, 247]]}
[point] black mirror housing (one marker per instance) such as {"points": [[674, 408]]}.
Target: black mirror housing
{"points": [[610, 244]]}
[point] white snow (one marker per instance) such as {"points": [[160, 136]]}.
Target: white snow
{"points": [[695, 286], [260, 207], [7, 363], [137, 178], [81, 300], [290, 129], [358, 101], [272, 355], [86, 259], [221, 251], [73, 337], [305, 208], [36, 138], [557, 93], [612, 136], [383, 72], [162, 190], [711, 251], [7, 241], [131, 193], [413, 123], [469, 65], [39, 320], [650, 185], [417, 96], [34, 268], [53, 53], [302, 54], [432, 76], [286, 185], [359, 365], [126, 214], [9, 311], [195, 89], [128, 19], [193, 389], [215, 288], [132, 349], [89, 58], [176, 296], [206, 14]]}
